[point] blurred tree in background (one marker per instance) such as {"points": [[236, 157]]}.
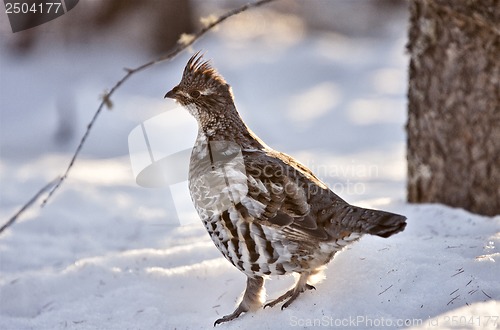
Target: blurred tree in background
{"points": [[155, 25], [151, 24], [454, 104], [166, 20]]}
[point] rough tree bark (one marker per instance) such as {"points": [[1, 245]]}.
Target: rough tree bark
{"points": [[454, 104]]}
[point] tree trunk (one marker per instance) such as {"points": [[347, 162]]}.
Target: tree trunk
{"points": [[454, 104]]}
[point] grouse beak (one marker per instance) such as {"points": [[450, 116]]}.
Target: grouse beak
{"points": [[170, 94]]}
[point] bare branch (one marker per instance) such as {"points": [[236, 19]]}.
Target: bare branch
{"points": [[106, 98], [28, 204]]}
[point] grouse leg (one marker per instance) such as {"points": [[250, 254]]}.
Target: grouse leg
{"points": [[293, 293], [252, 299]]}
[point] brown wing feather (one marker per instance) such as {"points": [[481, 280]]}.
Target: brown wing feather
{"points": [[283, 191], [298, 201]]}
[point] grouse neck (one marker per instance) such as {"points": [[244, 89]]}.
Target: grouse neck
{"points": [[229, 126]]}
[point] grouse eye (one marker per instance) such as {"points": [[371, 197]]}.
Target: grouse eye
{"points": [[195, 94]]}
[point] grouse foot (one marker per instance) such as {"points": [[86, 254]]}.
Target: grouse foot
{"points": [[252, 299], [293, 293]]}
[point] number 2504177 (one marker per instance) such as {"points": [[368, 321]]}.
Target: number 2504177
{"points": [[34, 8]]}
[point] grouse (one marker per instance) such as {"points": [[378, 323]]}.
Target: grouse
{"points": [[267, 213]]}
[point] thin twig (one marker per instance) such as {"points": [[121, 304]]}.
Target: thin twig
{"points": [[452, 300], [28, 204], [487, 295], [385, 290], [106, 99], [459, 271]]}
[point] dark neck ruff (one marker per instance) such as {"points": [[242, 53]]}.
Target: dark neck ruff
{"points": [[230, 127]]}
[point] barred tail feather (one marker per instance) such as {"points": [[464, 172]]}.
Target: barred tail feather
{"points": [[365, 221], [386, 224]]}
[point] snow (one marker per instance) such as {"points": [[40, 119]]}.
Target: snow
{"points": [[106, 253]]}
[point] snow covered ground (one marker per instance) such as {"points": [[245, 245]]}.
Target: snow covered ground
{"points": [[106, 253]]}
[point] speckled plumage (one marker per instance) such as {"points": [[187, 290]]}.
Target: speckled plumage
{"points": [[267, 213]]}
